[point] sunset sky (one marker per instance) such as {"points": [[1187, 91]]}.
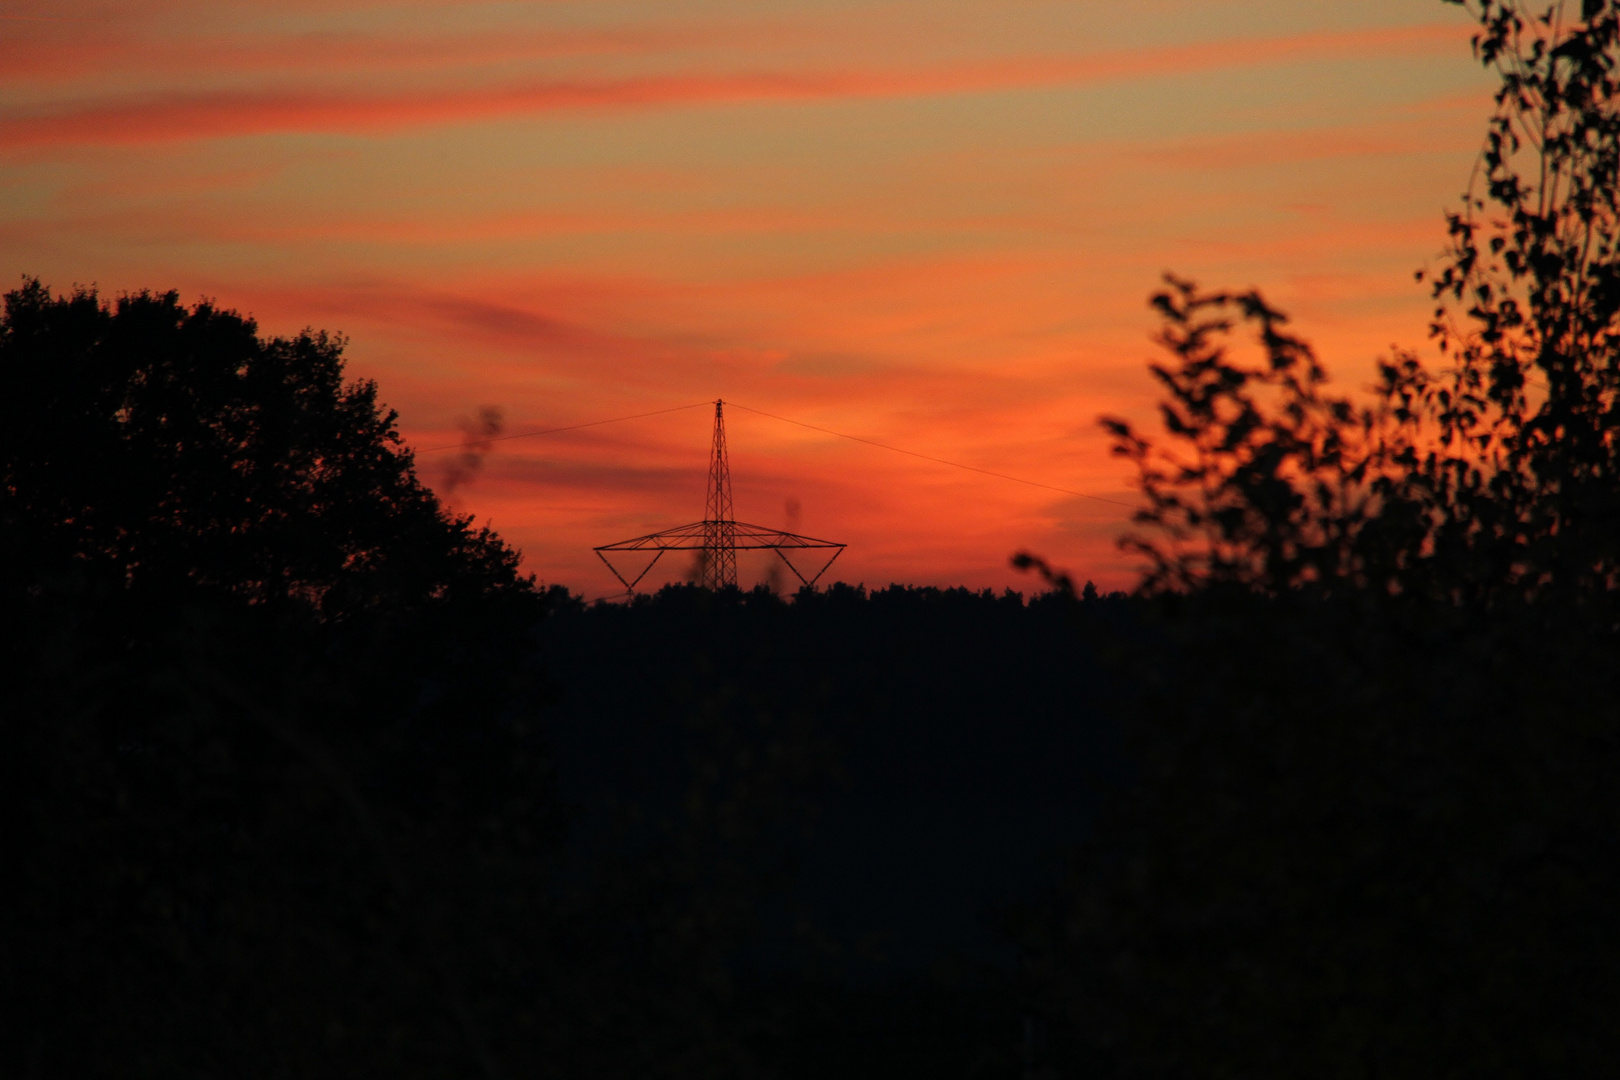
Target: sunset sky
{"points": [[931, 223]]}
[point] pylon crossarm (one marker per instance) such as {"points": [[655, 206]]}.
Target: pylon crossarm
{"points": [[769, 546], [695, 536], [630, 586], [838, 549], [793, 568], [615, 571], [683, 538], [752, 537], [829, 563], [719, 536]]}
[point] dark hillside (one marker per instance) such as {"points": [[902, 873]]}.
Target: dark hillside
{"points": [[912, 761]]}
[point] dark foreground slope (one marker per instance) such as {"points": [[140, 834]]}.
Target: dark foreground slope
{"points": [[882, 776], [950, 834], [1361, 836], [303, 778], [269, 770]]}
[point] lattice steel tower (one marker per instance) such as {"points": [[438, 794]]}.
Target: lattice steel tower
{"points": [[719, 536], [719, 553]]}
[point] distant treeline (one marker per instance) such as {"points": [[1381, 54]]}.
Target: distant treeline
{"points": [[1125, 835], [305, 779]]}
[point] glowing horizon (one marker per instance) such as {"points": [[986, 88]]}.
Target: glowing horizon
{"points": [[933, 225]]}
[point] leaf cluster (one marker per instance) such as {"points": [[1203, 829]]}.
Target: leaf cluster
{"points": [[1492, 476], [1371, 700]]}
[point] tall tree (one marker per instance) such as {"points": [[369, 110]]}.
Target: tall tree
{"points": [[275, 799]]}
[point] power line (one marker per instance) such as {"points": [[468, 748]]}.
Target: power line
{"points": [[555, 430], [941, 461], [785, 420]]}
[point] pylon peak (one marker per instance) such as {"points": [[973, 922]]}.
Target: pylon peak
{"points": [[719, 536]]}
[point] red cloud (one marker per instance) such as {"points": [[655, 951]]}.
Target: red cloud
{"points": [[73, 49], [220, 113]]}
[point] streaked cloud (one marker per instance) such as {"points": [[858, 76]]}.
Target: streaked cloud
{"points": [[930, 225], [228, 113]]}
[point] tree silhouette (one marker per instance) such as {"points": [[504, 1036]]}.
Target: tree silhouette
{"points": [[1527, 421], [147, 446], [1270, 484], [276, 801], [1370, 698], [1490, 477]]}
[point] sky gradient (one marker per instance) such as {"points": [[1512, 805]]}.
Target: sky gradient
{"points": [[930, 224]]}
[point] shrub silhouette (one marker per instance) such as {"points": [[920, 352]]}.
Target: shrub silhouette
{"points": [[1372, 706], [1493, 476]]}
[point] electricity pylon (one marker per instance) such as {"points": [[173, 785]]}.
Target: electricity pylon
{"points": [[719, 523], [719, 536]]}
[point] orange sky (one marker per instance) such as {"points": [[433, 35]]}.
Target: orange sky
{"points": [[930, 223]]}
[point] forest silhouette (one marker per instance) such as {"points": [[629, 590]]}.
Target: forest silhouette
{"points": [[305, 778]]}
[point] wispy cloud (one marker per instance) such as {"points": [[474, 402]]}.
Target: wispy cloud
{"points": [[1259, 149], [62, 51], [207, 114], [967, 280]]}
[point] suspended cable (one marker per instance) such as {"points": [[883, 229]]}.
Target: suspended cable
{"points": [[785, 420], [941, 461], [552, 431]]}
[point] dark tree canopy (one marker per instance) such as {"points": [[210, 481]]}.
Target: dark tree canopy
{"points": [[150, 446], [271, 767]]}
